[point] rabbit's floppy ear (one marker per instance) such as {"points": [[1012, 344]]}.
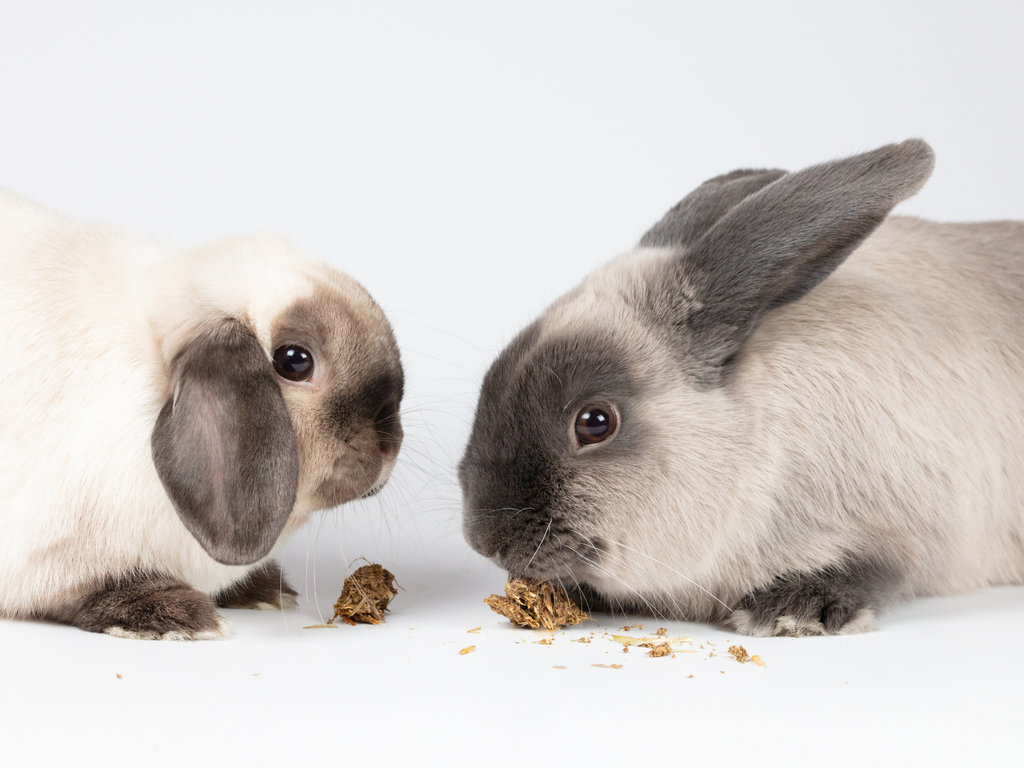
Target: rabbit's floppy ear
{"points": [[696, 213], [781, 241], [224, 446]]}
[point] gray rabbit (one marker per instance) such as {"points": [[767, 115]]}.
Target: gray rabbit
{"points": [[782, 411]]}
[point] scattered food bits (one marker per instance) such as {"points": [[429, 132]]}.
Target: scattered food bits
{"points": [[473, 631], [632, 626], [662, 631], [366, 595], [535, 604], [467, 649], [739, 652], [581, 640], [607, 666], [659, 649], [545, 641], [757, 660]]}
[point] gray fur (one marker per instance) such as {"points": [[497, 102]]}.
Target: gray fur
{"points": [[148, 607], [224, 447], [696, 213], [264, 587], [776, 244], [820, 410]]}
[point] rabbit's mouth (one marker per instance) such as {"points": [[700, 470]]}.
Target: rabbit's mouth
{"points": [[532, 545]]}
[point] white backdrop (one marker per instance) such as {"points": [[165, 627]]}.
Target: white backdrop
{"points": [[468, 163]]}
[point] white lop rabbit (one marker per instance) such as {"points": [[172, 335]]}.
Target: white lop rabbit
{"points": [[782, 411], [167, 416]]}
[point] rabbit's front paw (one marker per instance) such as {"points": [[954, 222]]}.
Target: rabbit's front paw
{"points": [[262, 589], [152, 607], [840, 600]]}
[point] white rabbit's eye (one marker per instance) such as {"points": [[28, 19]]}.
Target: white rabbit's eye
{"points": [[595, 424], [293, 362]]}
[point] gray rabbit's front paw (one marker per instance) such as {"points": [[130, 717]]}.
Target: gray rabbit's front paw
{"points": [[150, 607], [839, 600], [262, 589]]}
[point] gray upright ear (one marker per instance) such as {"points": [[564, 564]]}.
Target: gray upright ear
{"points": [[780, 242], [696, 213], [224, 447]]}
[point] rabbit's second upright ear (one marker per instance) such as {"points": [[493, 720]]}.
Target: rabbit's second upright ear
{"points": [[696, 213], [775, 244], [224, 446]]}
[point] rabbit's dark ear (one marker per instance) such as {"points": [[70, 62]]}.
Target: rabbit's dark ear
{"points": [[780, 242], [696, 213], [224, 447]]}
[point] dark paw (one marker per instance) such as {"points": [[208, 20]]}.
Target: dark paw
{"points": [[834, 601], [150, 608], [262, 589]]}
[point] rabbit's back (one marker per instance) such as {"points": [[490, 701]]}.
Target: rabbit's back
{"points": [[893, 398]]}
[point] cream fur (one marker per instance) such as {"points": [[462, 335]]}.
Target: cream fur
{"points": [[883, 411], [90, 318]]}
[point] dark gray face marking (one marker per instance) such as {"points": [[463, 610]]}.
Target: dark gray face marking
{"points": [[224, 447], [523, 457], [265, 584], [831, 596], [145, 604]]}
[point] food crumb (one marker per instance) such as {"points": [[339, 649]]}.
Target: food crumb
{"points": [[581, 640], [559, 667], [739, 652], [689, 676], [473, 631], [545, 641], [659, 649], [535, 604], [321, 626], [662, 631], [118, 675], [757, 660], [467, 649], [607, 666], [365, 596]]}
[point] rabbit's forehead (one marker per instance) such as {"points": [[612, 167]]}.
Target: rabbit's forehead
{"points": [[345, 329]]}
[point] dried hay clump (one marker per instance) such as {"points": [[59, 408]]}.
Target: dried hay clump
{"points": [[366, 596], [658, 649], [739, 652], [535, 604]]}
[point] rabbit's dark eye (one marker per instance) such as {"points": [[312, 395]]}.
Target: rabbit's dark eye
{"points": [[293, 363], [595, 423]]}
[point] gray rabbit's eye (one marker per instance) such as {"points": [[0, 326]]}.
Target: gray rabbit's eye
{"points": [[293, 362], [595, 424]]}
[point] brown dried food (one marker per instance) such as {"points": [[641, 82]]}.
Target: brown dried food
{"points": [[535, 604], [662, 631], [739, 652], [366, 596], [660, 649]]}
